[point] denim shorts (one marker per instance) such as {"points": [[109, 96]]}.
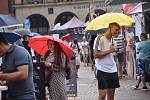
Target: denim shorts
{"points": [[141, 67]]}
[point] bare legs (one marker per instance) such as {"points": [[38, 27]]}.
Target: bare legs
{"points": [[141, 79], [106, 92], [120, 68]]}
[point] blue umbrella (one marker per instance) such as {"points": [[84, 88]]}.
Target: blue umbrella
{"points": [[6, 20], [10, 36], [33, 34]]}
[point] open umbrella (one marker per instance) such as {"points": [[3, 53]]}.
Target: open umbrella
{"points": [[32, 34], [67, 37], [6, 20], [10, 36], [39, 45], [104, 20], [22, 31]]}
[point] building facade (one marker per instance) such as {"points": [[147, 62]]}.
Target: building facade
{"points": [[44, 14], [6, 7]]}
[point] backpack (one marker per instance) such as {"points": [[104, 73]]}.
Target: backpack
{"points": [[77, 47], [97, 41]]}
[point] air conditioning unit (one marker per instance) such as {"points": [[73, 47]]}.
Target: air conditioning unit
{"points": [[34, 1]]}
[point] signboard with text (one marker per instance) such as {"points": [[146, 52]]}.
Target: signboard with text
{"points": [[26, 23], [71, 84], [39, 80]]}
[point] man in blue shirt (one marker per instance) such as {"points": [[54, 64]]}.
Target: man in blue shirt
{"points": [[17, 71], [144, 56]]}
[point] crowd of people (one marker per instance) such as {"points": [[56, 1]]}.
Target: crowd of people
{"points": [[110, 55], [113, 51]]}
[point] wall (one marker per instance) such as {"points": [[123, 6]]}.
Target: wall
{"points": [[80, 9], [4, 7]]}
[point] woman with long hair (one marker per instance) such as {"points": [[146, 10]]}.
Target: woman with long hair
{"points": [[55, 63]]}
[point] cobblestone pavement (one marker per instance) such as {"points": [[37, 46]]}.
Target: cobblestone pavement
{"points": [[87, 88]]}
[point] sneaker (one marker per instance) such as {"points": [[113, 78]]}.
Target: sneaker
{"points": [[136, 87], [144, 88]]}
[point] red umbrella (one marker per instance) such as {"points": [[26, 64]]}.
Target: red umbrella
{"points": [[67, 37], [39, 45]]}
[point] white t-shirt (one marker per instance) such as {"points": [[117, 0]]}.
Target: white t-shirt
{"points": [[84, 46], [75, 48], [107, 63]]}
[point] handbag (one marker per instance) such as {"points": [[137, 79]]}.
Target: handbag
{"points": [[48, 74], [67, 69]]}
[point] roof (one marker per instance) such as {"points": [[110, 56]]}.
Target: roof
{"points": [[73, 23]]}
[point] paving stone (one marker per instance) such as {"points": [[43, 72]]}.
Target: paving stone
{"points": [[87, 88]]}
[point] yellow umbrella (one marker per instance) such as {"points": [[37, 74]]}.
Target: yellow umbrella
{"points": [[104, 20]]}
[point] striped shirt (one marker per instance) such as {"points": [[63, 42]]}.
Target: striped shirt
{"points": [[119, 43]]}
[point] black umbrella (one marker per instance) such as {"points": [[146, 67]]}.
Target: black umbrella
{"points": [[10, 36]]}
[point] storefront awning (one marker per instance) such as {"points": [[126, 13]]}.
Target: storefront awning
{"points": [[115, 2]]}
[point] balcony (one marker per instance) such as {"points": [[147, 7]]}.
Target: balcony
{"points": [[43, 3], [28, 2]]}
